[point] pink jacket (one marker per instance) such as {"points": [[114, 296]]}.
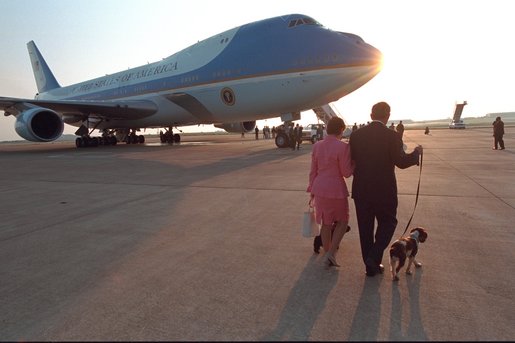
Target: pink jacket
{"points": [[330, 163]]}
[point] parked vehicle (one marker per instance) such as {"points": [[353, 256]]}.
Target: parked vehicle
{"points": [[457, 124], [312, 134]]}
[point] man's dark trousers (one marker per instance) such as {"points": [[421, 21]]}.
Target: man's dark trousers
{"points": [[367, 212]]}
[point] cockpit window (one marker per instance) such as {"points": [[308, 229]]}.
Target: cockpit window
{"points": [[310, 21], [302, 21], [292, 23], [357, 38]]}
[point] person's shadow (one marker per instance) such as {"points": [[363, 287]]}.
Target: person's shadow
{"points": [[415, 330], [305, 303], [365, 323]]}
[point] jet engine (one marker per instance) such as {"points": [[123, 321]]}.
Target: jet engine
{"points": [[39, 125], [239, 127]]}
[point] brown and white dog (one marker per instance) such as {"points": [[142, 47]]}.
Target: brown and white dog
{"points": [[406, 247]]}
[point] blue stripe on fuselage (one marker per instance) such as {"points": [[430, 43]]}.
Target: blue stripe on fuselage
{"points": [[266, 47]]}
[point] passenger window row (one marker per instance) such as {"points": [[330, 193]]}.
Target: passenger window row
{"points": [[318, 59]]}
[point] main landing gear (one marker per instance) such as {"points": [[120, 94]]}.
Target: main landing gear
{"points": [[85, 140], [109, 137], [133, 138], [114, 136], [88, 141], [169, 137]]}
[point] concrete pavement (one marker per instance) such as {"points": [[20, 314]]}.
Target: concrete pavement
{"points": [[202, 241]]}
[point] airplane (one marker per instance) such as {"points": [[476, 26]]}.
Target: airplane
{"points": [[276, 67]]}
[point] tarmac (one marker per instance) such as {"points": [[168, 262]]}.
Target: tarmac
{"points": [[202, 241]]}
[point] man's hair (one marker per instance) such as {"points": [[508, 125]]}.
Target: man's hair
{"points": [[381, 110], [335, 126]]}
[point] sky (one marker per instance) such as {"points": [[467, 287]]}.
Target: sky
{"points": [[436, 52]]}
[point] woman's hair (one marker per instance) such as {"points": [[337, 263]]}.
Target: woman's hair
{"points": [[335, 126]]}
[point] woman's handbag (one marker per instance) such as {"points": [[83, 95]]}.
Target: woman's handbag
{"points": [[310, 227]]}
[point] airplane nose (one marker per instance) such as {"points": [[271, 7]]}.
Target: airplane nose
{"points": [[370, 55], [361, 52], [377, 57], [372, 61]]}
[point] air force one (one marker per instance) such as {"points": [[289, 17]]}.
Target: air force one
{"points": [[271, 68]]}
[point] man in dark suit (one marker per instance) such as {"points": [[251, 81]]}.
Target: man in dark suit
{"points": [[400, 128], [498, 133], [376, 151]]}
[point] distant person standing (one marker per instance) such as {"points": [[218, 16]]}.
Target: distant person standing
{"points": [[355, 127], [498, 125], [320, 132], [299, 136], [291, 136], [256, 130], [400, 128], [426, 132], [376, 151], [392, 126]]}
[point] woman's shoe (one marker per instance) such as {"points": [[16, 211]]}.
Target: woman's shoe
{"points": [[330, 261], [317, 243]]}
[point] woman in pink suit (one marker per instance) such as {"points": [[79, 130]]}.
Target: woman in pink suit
{"points": [[330, 163]]}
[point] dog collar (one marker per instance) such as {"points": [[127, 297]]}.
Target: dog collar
{"points": [[415, 235]]}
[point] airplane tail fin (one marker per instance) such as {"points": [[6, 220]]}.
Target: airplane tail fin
{"points": [[45, 80]]}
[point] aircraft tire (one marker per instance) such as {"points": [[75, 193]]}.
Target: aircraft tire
{"points": [[282, 140], [177, 138]]}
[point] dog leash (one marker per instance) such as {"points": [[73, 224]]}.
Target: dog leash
{"points": [[416, 197]]}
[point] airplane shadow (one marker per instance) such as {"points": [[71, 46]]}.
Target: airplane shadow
{"points": [[306, 301], [90, 254]]}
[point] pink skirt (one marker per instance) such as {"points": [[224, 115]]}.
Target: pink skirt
{"points": [[329, 210]]}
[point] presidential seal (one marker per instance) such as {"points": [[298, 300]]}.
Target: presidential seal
{"points": [[227, 96]]}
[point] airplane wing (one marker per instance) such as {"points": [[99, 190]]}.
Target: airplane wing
{"points": [[120, 109], [192, 105]]}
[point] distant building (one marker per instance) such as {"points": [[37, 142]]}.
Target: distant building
{"points": [[501, 114]]}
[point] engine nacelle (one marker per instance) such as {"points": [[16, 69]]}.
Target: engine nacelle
{"points": [[239, 127], [39, 124]]}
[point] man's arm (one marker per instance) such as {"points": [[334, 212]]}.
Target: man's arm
{"points": [[400, 158]]}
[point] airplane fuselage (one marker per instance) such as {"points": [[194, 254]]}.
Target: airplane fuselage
{"points": [[274, 67], [255, 71]]}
